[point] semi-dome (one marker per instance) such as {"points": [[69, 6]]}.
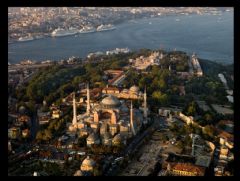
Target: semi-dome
{"points": [[106, 136], [92, 137], [117, 139], [110, 101], [134, 89], [88, 164]]}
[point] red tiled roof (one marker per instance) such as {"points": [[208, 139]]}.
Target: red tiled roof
{"points": [[188, 167], [24, 118], [226, 135], [110, 88], [225, 122]]}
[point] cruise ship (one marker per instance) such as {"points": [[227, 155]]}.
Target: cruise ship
{"points": [[105, 27], [39, 36], [87, 29], [26, 38], [62, 32]]}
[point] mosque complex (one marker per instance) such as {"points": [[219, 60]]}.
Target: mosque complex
{"points": [[110, 121]]}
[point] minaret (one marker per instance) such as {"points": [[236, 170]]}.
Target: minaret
{"points": [[145, 104], [193, 144], [88, 100], [74, 121], [131, 120]]}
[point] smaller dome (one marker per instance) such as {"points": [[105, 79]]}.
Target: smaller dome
{"points": [[106, 136], [35, 173], [134, 89], [88, 162], [21, 109], [78, 173], [117, 138]]}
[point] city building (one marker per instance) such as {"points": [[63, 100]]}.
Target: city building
{"points": [[25, 133], [14, 132], [114, 76], [185, 169], [197, 70], [142, 63], [56, 113], [24, 119], [131, 93]]}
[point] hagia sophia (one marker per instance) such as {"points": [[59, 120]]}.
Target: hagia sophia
{"points": [[109, 121]]}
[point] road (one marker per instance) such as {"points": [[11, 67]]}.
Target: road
{"points": [[34, 126], [138, 140]]}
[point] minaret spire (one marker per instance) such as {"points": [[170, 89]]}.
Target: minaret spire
{"points": [[74, 121], [88, 99], [145, 104], [131, 120]]}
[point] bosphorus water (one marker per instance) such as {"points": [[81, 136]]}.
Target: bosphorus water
{"points": [[210, 36]]}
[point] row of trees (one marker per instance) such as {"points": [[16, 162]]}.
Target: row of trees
{"points": [[46, 82], [207, 133], [211, 90], [54, 128]]}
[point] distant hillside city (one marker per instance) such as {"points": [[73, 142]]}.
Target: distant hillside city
{"points": [[27, 23]]}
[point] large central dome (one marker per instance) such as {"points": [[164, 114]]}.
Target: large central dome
{"points": [[110, 101]]}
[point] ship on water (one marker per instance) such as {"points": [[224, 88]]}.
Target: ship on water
{"points": [[87, 29], [39, 36], [106, 27], [62, 32], [26, 38]]}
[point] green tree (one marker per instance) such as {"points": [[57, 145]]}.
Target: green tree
{"points": [[48, 134], [39, 135], [160, 98], [208, 117], [191, 109], [209, 131]]}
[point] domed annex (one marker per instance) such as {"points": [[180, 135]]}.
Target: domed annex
{"points": [[88, 165], [134, 89]]}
